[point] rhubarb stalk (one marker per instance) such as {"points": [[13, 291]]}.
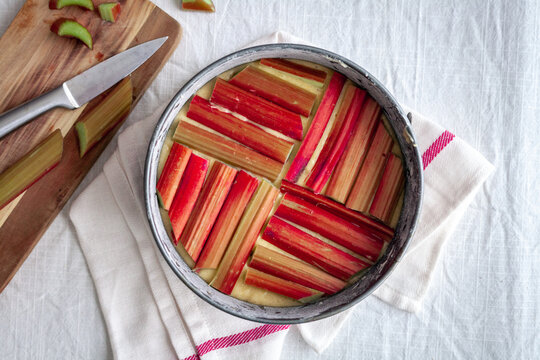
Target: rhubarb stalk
{"points": [[334, 147], [227, 150], [370, 173], [209, 203], [279, 286], [241, 191], [202, 111], [257, 109], [316, 130], [348, 166], [285, 267], [274, 89], [387, 194], [244, 238], [172, 174], [351, 236], [31, 167], [186, 194], [339, 209], [296, 69], [96, 123]]}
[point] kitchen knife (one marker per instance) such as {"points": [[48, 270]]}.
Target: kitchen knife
{"points": [[83, 87]]}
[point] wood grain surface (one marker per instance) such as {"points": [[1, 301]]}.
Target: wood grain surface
{"points": [[33, 60]]}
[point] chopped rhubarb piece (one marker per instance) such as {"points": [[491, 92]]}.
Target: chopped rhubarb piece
{"points": [[72, 29], [244, 238], [59, 4], [187, 194], [334, 147], [348, 166], [227, 150], [285, 267], [371, 171], [296, 69], [202, 111], [257, 109], [397, 211], [316, 130], [387, 194], [339, 209], [312, 250], [172, 174], [31, 167], [206, 210], [241, 191], [279, 286], [202, 5], [97, 122], [355, 238], [109, 11], [274, 89]]}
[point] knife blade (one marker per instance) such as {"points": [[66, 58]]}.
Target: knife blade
{"points": [[82, 88]]}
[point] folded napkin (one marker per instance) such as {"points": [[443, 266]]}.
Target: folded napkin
{"points": [[151, 314]]}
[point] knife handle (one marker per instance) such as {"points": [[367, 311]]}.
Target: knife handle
{"points": [[22, 114]]}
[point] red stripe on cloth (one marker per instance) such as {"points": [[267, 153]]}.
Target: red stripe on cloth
{"points": [[434, 149], [236, 339]]}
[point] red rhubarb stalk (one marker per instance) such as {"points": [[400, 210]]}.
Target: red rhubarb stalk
{"points": [[334, 147], [313, 218], [244, 238], [172, 174], [213, 194], [285, 267], [227, 150], [284, 287], [312, 250], [202, 111], [274, 89], [348, 166], [339, 209], [257, 109], [387, 194], [241, 191], [316, 130], [186, 194], [371, 171], [296, 69]]}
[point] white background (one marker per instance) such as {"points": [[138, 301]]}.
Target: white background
{"points": [[472, 66]]}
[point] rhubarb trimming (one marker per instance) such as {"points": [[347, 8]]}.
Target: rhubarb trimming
{"points": [[59, 4], [349, 235], [31, 167], [243, 187], [72, 29], [285, 267], [202, 5], [227, 150], [109, 11], [257, 109], [172, 174], [348, 166], [370, 173], [187, 194], [280, 286], [346, 120], [244, 238], [100, 120], [274, 89], [316, 130], [202, 111]]}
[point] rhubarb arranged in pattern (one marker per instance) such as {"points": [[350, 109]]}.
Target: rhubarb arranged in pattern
{"points": [[341, 192]]}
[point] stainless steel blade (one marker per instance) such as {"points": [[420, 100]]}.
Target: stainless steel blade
{"points": [[92, 82]]}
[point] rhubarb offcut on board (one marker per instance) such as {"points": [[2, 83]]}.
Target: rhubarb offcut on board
{"points": [[280, 182]]}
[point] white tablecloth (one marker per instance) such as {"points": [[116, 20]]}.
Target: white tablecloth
{"points": [[472, 66]]}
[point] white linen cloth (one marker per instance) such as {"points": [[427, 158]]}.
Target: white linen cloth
{"points": [[151, 314]]}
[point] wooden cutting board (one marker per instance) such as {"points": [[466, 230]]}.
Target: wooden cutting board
{"points": [[33, 60]]}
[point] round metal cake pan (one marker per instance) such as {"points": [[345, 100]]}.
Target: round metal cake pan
{"points": [[376, 274]]}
